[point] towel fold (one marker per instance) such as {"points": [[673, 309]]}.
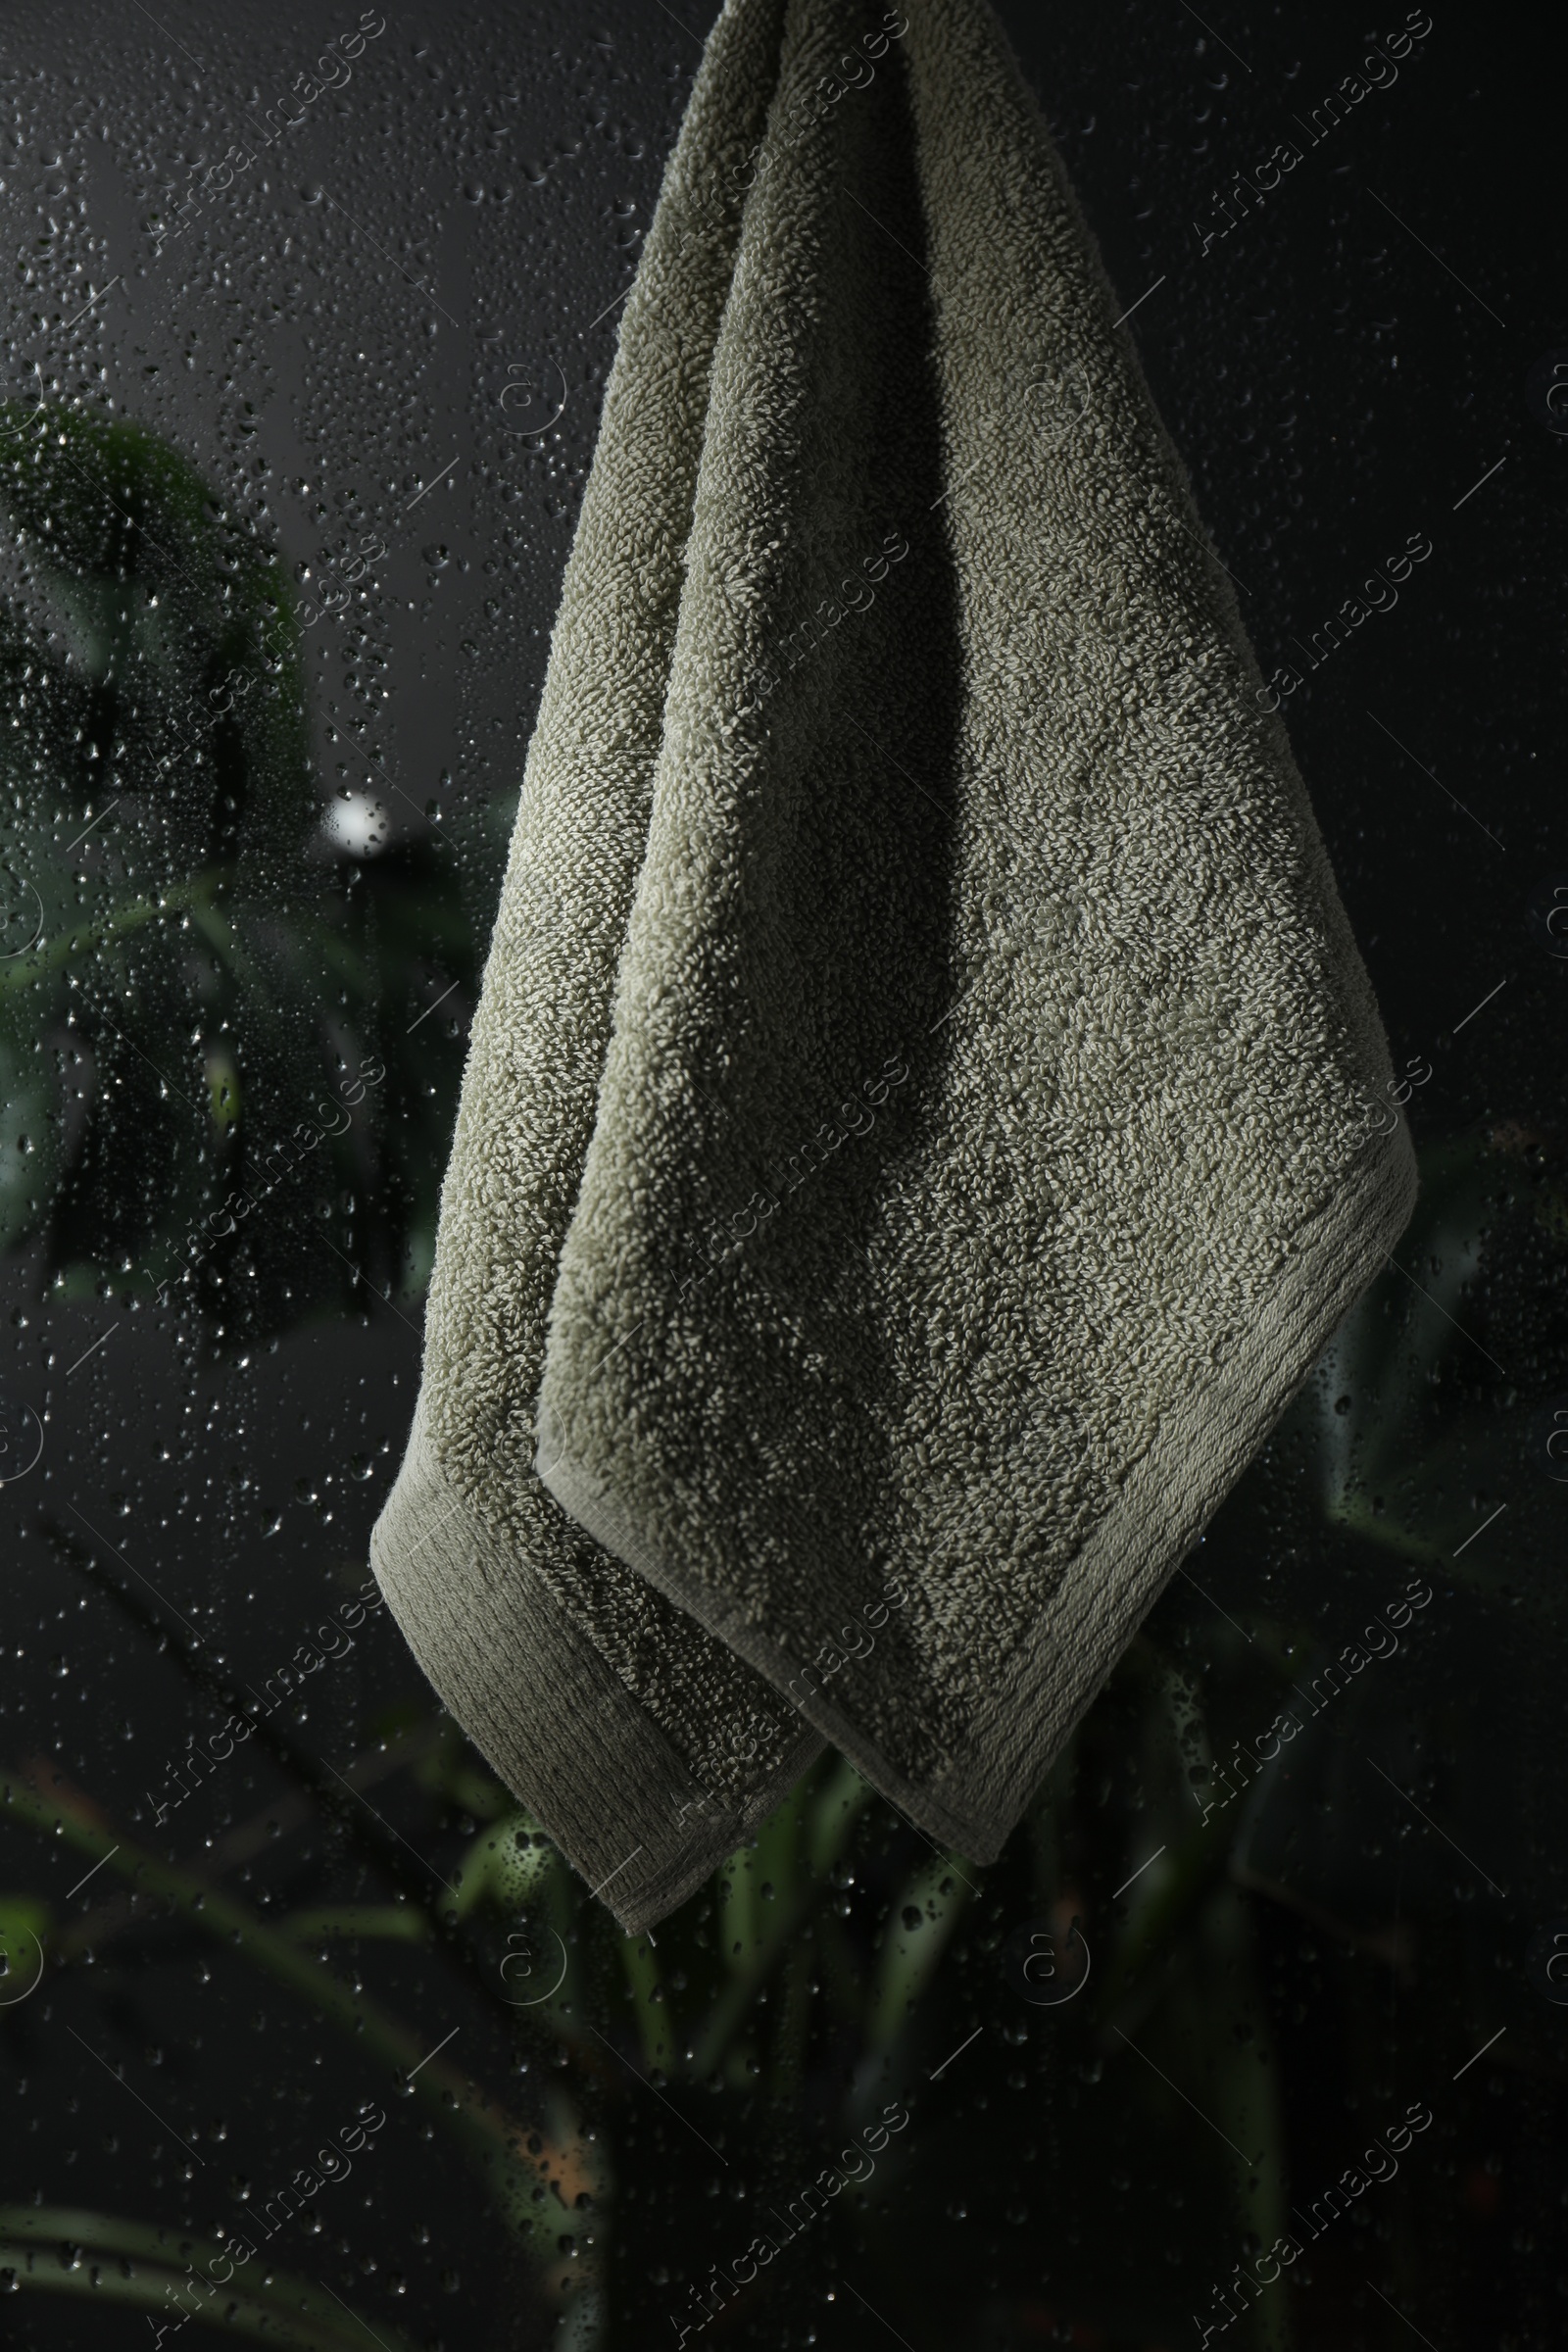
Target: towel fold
{"points": [[926, 1110]]}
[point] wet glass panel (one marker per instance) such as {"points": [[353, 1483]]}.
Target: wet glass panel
{"points": [[1255, 2029]]}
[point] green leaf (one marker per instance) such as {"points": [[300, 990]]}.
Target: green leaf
{"points": [[51, 2250], [228, 1046]]}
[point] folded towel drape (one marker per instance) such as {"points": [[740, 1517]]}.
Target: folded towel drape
{"points": [[926, 1109]]}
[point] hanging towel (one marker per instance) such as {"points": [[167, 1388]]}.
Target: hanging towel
{"points": [[926, 1110]]}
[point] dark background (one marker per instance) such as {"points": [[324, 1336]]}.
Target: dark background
{"points": [[405, 298]]}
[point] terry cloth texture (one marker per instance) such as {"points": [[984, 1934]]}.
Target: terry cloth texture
{"points": [[926, 1110]]}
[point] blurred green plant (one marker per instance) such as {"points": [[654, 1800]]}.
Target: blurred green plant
{"points": [[100, 2257], [220, 1085]]}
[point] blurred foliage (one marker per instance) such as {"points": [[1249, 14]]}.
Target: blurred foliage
{"points": [[97, 2257], [228, 1010]]}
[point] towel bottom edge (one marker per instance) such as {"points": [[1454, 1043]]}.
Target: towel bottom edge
{"points": [[1054, 1676], [544, 1708]]}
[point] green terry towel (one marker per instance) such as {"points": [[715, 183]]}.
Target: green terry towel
{"points": [[926, 1110]]}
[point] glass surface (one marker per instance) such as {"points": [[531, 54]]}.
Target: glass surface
{"points": [[1257, 2030]]}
